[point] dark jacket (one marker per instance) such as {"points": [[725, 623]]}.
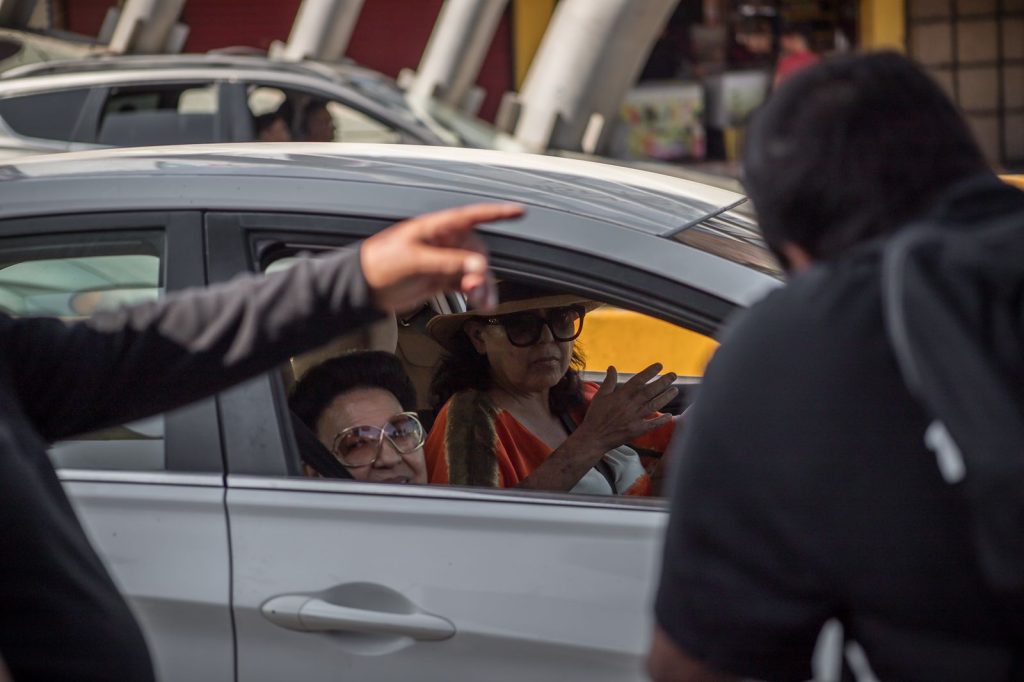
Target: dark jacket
{"points": [[61, 617]]}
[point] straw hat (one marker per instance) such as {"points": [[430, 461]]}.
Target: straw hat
{"points": [[514, 297]]}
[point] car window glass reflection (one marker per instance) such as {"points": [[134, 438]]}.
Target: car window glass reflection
{"points": [[74, 278]]}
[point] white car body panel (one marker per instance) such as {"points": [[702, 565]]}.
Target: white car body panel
{"points": [[164, 539], [536, 589]]}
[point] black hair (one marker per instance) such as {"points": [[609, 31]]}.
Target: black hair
{"points": [[358, 369], [307, 111], [462, 368], [799, 30], [264, 121], [851, 149]]}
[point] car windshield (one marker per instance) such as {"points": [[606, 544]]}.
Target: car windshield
{"points": [[453, 126]]}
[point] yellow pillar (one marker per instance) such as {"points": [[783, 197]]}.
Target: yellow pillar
{"points": [[530, 18], [882, 25]]}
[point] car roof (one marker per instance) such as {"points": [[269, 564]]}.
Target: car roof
{"points": [[636, 199], [338, 72]]}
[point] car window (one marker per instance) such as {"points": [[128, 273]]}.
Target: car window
{"points": [[51, 115], [343, 123], [611, 335], [632, 341], [164, 114], [72, 277]]}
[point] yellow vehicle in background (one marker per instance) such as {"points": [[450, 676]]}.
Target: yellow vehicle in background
{"points": [[632, 341]]}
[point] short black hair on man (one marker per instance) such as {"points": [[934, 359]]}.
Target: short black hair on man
{"points": [[310, 107], [851, 149], [359, 369], [264, 121]]}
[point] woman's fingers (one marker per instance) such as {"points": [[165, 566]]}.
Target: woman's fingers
{"points": [[661, 400], [643, 376], [651, 424]]}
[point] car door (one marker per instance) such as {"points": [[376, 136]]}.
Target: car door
{"points": [[341, 579], [150, 494]]}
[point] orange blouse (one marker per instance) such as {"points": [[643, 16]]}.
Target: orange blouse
{"points": [[473, 442]]}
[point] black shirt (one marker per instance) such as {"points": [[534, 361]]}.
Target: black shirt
{"points": [[803, 491], [61, 617]]}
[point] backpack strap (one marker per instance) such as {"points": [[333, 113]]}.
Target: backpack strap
{"points": [[947, 299]]}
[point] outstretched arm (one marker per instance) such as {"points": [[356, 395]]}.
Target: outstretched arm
{"points": [[154, 357]]}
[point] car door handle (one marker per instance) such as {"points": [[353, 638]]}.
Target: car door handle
{"points": [[311, 614]]}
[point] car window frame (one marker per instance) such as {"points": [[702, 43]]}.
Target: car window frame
{"points": [[246, 242], [88, 128], [367, 108], [191, 434]]}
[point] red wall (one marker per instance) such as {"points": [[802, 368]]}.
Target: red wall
{"points": [[389, 36]]}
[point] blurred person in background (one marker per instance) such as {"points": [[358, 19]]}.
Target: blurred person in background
{"points": [[317, 122], [272, 127], [795, 53], [803, 489]]}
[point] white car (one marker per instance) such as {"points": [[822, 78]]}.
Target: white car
{"points": [[241, 569]]}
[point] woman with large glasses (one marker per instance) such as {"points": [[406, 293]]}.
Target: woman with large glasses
{"points": [[359, 405], [514, 411]]}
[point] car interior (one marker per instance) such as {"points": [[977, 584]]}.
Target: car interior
{"points": [[405, 336]]}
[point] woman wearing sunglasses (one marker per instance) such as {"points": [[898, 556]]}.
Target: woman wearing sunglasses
{"points": [[359, 405], [515, 413]]}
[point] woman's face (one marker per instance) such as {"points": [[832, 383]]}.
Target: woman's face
{"points": [[372, 407], [521, 369]]}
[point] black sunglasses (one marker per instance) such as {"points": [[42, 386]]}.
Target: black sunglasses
{"points": [[525, 329]]}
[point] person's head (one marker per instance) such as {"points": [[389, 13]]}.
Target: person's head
{"points": [[851, 149], [526, 346], [272, 127], [356, 404], [795, 38], [317, 123]]}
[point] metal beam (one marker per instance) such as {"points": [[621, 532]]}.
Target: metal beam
{"points": [[590, 56], [149, 27], [322, 30], [458, 45]]}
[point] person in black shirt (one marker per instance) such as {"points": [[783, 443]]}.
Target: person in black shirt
{"points": [[61, 617], [803, 490]]}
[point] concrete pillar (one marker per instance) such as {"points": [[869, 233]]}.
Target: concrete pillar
{"points": [[322, 30], [149, 27], [457, 47], [590, 56], [16, 13]]}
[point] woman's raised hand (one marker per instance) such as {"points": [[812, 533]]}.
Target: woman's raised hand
{"points": [[618, 414]]}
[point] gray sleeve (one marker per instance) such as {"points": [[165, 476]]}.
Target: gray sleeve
{"points": [[154, 357]]}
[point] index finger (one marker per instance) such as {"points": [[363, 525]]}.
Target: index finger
{"points": [[450, 225]]}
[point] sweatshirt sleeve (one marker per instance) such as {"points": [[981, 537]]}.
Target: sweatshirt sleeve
{"points": [[146, 359]]}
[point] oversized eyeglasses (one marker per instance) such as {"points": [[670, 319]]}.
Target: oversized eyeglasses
{"points": [[360, 446], [525, 329]]}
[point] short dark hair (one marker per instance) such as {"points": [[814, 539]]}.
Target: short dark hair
{"points": [[359, 369], [463, 368], [264, 121], [851, 149], [307, 111]]}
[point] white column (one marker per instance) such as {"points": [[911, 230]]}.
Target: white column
{"points": [[322, 30], [589, 57], [16, 13], [149, 27], [458, 45]]}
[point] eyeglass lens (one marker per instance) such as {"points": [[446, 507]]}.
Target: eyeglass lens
{"points": [[525, 329], [360, 445]]}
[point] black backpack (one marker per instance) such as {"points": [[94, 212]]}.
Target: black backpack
{"points": [[953, 302]]}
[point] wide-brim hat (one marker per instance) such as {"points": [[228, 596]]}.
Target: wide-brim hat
{"points": [[513, 297]]}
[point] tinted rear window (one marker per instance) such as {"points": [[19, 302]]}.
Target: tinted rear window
{"points": [[51, 115]]}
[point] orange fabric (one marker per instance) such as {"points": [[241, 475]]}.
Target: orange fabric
{"points": [[519, 452]]}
